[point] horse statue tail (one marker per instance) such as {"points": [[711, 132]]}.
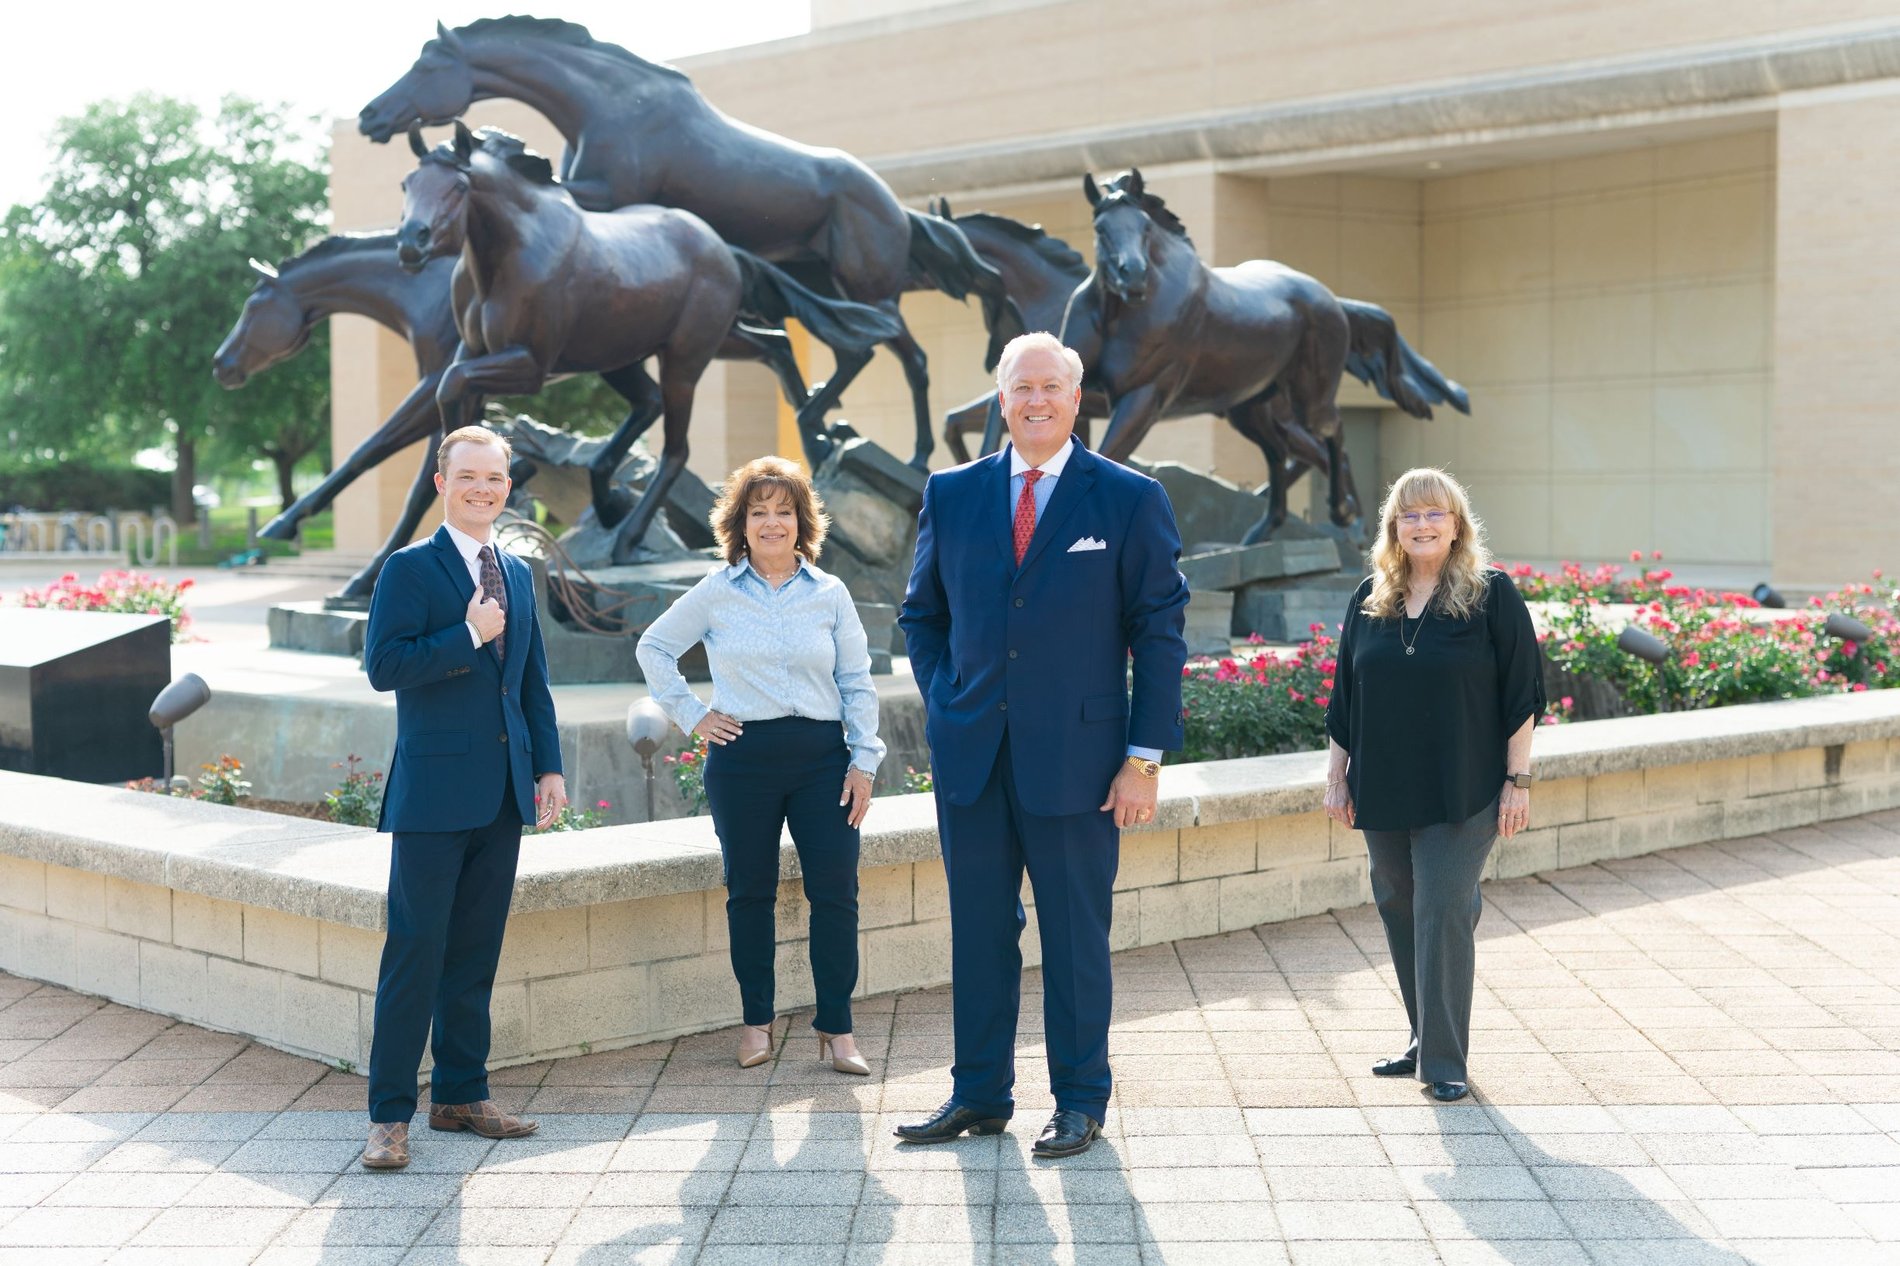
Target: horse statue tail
{"points": [[771, 297], [941, 258], [1379, 357]]}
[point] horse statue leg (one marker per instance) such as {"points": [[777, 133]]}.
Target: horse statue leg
{"points": [[773, 349], [415, 418], [1131, 417], [917, 374], [962, 422], [1343, 492], [677, 385], [643, 406], [993, 424], [421, 495], [1255, 420]]}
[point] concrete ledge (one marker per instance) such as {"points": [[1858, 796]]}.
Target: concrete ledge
{"points": [[271, 926]]}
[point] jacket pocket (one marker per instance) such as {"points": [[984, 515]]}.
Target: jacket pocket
{"points": [[1104, 707], [436, 743]]}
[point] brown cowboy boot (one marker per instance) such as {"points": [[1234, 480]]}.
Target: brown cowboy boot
{"points": [[483, 1118], [388, 1146]]}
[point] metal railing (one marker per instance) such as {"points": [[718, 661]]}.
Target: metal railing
{"points": [[146, 539]]}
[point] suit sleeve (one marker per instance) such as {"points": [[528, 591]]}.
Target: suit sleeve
{"points": [[1154, 617], [537, 701], [925, 615], [400, 650]]}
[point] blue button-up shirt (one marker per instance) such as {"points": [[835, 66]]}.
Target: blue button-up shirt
{"points": [[799, 650], [1042, 490]]}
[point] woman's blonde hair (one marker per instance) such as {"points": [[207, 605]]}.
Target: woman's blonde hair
{"points": [[1462, 584], [762, 479]]}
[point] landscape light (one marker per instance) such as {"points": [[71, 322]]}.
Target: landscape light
{"points": [[1846, 628], [647, 728], [1765, 594], [1643, 644], [174, 703]]}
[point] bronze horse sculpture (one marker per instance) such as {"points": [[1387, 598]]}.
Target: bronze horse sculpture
{"points": [[359, 274], [543, 287], [639, 132], [1263, 345]]}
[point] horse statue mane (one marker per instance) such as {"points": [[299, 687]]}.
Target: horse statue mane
{"points": [[1129, 187], [494, 142], [556, 30], [1052, 249], [337, 244]]}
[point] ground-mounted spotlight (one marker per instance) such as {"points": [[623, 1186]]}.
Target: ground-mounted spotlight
{"points": [[174, 703], [647, 728], [1846, 628], [1643, 644], [1766, 594]]}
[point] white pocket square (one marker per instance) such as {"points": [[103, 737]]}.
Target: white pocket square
{"points": [[1087, 543]]}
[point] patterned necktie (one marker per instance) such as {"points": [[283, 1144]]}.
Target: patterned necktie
{"points": [[1026, 514], [493, 587]]}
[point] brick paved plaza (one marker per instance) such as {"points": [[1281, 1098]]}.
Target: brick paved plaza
{"points": [[1689, 1057]]}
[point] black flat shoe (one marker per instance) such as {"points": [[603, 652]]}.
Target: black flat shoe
{"points": [[949, 1121], [1403, 1066], [1070, 1132], [1449, 1091]]}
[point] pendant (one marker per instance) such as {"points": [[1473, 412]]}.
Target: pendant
{"points": [[1410, 649]]}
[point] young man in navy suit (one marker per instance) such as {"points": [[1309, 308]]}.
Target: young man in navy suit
{"points": [[453, 631], [1043, 574]]}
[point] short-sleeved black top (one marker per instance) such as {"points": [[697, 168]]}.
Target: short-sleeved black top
{"points": [[1427, 732]]}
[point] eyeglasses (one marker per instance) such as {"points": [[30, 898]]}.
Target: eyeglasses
{"points": [[1412, 518]]}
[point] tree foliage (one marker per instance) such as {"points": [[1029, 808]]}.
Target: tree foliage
{"points": [[117, 285]]}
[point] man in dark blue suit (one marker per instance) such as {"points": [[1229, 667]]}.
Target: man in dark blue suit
{"points": [[453, 631], [1043, 573]]}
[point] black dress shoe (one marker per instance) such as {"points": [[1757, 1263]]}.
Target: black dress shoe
{"points": [[949, 1121], [1070, 1132], [1449, 1091], [1403, 1066]]}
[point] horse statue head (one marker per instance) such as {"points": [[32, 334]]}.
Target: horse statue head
{"points": [[1126, 218], [436, 194], [269, 329], [438, 87]]}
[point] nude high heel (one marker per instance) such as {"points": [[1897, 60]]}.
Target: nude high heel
{"points": [[853, 1064], [755, 1044]]}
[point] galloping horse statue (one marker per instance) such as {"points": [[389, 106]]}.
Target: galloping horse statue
{"points": [[1259, 343], [543, 287], [638, 132], [359, 274]]}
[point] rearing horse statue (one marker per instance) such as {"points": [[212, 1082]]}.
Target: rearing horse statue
{"points": [[543, 287], [639, 132]]}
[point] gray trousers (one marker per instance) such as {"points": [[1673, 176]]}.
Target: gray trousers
{"points": [[1425, 883]]}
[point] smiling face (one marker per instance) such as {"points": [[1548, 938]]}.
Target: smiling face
{"points": [[434, 205], [771, 529], [1040, 403], [437, 88], [1425, 532], [474, 487], [271, 328]]}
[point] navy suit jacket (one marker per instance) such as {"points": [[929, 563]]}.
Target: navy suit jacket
{"points": [[469, 726], [1043, 651]]}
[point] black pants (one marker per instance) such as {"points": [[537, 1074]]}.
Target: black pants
{"points": [[1425, 883], [448, 905], [787, 770]]}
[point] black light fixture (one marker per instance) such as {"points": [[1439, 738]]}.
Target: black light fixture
{"points": [[1643, 644], [1846, 628], [174, 703], [647, 728], [1765, 594]]}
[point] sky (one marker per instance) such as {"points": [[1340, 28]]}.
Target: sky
{"points": [[324, 59]]}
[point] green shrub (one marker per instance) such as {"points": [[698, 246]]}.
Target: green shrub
{"points": [[359, 801], [81, 486], [1269, 702]]}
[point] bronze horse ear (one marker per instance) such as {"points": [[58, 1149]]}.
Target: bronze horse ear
{"points": [[416, 143], [1135, 185], [1088, 188], [940, 207], [464, 143], [450, 40]]}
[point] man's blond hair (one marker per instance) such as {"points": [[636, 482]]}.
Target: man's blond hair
{"points": [[470, 435], [1045, 341]]}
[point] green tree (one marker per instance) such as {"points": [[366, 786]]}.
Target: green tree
{"points": [[118, 284]]}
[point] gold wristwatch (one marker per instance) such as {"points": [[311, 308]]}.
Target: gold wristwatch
{"points": [[1148, 768]]}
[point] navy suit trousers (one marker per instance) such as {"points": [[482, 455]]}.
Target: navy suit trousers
{"points": [[448, 907], [1071, 861]]}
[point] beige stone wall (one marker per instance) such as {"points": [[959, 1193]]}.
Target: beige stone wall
{"points": [[1613, 318], [1837, 380], [620, 972]]}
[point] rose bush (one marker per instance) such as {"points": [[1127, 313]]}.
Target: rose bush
{"points": [[128, 592]]}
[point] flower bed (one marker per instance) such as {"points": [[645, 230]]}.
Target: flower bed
{"points": [[127, 592]]}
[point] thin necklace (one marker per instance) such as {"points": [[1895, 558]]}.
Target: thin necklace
{"points": [[1423, 612]]}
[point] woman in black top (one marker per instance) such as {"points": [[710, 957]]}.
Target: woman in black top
{"points": [[1438, 691]]}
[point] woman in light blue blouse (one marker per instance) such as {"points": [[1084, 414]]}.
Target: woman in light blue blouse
{"points": [[791, 734]]}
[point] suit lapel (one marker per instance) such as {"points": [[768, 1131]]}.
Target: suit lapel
{"points": [[998, 511], [1072, 487], [451, 560]]}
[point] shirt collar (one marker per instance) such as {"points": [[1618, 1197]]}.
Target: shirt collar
{"points": [[465, 545], [737, 572], [1051, 469]]}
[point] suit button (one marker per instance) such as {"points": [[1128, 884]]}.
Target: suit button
{"points": [[1012, 654], [504, 738], [1002, 707], [1019, 602], [504, 690]]}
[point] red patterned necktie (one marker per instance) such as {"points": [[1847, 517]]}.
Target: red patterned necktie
{"points": [[494, 587], [1026, 514]]}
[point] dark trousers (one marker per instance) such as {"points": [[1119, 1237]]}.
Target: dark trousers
{"points": [[448, 906], [789, 770], [1425, 883], [1071, 861]]}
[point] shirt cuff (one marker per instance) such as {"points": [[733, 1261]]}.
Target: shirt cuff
{"points": [[476, 637], [1146, 753]]}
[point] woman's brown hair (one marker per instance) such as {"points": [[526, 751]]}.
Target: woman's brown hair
{"points": [[762, 479]]}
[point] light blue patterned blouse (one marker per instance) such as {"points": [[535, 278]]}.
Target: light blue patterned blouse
{"points": [[799, 651]]}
